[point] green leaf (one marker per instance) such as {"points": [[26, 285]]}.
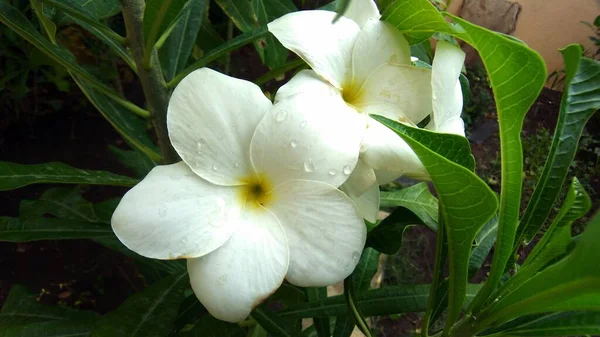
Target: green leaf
{"points": [[365, 269], [271, 322], [483, 245], [321, 323], [158, 16], [24, 230], [569, 284], [466, 204], [48, 25], [386, 237], [134, 160], [208, 326], [148, 313], [580, 100], [13, 175], [416, 198], [98, 9], [559, 324], [343, 326], [273, 53], [130, 127], [175, 52], [67, 203], [241, 13], [517, 75]]}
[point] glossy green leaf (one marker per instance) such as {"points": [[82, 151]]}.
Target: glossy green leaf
{"points": [[466, 204], [148, 313], [558, 324], [130, 127], [208, 326], [483, 245], [321, 323], [175, 52], [569, 284], [416, 198], [241, 13], [13, 175], [23, 230], [136, 161], [515, 88], [158, 16], [580, 100], [386, 237], [46, 22]]}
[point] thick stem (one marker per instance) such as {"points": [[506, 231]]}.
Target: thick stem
{"points": [[153, 82]]}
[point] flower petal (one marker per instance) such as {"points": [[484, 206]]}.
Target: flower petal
{"points": [[378, 43], [305, 81], [326, 47], [447, 94], [384, 150], [308, 136], [360, 11], [325, 234], [173, 213], [366, 202], [211, 119], [360, 179], [398, 92], [237, 277]]}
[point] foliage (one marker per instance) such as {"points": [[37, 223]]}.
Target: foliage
{"points": [[554, 290]]}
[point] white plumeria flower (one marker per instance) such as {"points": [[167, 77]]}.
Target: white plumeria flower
{"points": [[255, 199], [366, 63]]}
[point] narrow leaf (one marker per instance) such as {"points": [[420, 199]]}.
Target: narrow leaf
{"points": [[416, 198], [23, 230]]}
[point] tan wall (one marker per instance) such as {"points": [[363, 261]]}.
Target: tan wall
{"points": [[547, 25]]}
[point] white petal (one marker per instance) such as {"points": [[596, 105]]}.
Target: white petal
{"points": [[326, 47], [447, 94], [240, 275], [307, 136], [360, 180], [360, 11], [211, 119], [306, 81], [325, 234], [367, 202], [173, 213], [384, 150], [398, 92], [378, 43]]}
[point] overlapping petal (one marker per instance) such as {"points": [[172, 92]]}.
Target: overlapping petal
{"points": [[308, 136], [360, 11], [326, 47], [306, 81], [367, 202], [324, 232], [173, 213], [211, 119], [240, 275]]}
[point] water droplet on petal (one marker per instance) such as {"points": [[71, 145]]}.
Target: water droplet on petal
{"points": [[308, 166], [162, 210], [200, 144], [355, 256], [184, 240], [281, 115], [347, 170], [293, 143], [237, 164], [303, 124], [215, 168], [332, 172]]}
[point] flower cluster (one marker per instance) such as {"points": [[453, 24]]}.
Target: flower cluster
{"points": [[268, 192]]}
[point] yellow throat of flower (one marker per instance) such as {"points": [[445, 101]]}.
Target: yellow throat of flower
{"points": [[256, 191]]}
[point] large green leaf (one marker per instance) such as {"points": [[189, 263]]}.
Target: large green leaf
{"points": [[149, 313], [386, 237], [483, 244], [466, 204], [134, 160], [517, 75], [558, 324], [321, 323], [130, 127], [273, 52], [23, 230], [158, 16], [580, 100], [416, 198], [13, 175], [570, 284], [175, 52]]}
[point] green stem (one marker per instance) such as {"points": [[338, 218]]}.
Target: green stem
{"points": [[153, 82], [85, 18], [160, 16], [216, 53], [273, 73], [440, 259], [350, 301]]}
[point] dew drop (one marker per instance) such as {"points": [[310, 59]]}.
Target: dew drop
{"points": [[215, 168], [162, 211], [184, 240], [200, 144], [293, 143], [308, 166], [332, 172], [355, 256], [303, 124], [237, 164], [281, 115], [347, 170]]}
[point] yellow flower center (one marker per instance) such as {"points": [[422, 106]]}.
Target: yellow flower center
{"points": [[350, 94], [256, 191]]}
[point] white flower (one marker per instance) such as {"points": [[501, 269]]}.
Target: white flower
{"points": [[255, 199], [366, 63]]}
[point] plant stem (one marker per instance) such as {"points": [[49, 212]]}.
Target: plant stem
{"points": [[153, 82]]}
